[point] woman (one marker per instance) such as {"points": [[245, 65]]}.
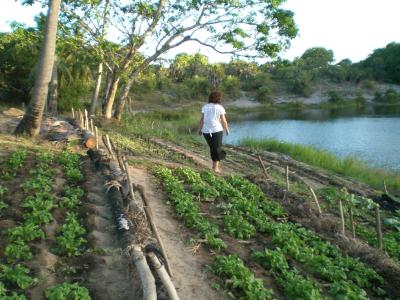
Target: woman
{"points": [[212, 125]]}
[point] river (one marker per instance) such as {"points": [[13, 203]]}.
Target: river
{"points": [[371, 135]]}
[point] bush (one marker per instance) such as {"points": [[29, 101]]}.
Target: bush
{"points": [[264, 94], [230, 86], [198, 85], [335, 97], [369, 85], [360, 100]]}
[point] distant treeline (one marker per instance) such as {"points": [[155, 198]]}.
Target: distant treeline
{"points": [[187, 76]]}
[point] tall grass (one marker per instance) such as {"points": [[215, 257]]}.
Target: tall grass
{"points": [[349, 166], [173, 124]]}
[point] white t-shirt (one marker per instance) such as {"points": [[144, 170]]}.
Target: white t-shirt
{"points": [[212, 118]]}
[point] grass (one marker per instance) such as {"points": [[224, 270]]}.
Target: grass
{"points": [[323, 159]]}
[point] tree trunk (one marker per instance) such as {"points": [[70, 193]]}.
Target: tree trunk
{"points": [[111, 97], [106, 91], [96, 92], [122, 99], [53, 93], [32, 119]]}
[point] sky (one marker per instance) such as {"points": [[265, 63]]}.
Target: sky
{"points": [[351, 28]]}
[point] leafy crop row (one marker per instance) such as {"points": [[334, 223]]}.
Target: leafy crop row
{"points": [[37, 207], [240, 279], [295, 286], [188, 209], [246, 204], [12, 164]]}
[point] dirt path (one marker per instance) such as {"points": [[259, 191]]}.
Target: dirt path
{"points": [[189, 278]]}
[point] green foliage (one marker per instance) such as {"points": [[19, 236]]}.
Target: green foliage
{"points": [[12, 164], [335, 97], [389, 97], [17, 274], [230, 86], [3, 191], [382, 63], [67, 291], [188, 209], [13, 296], [237, 226], [17, 251], [72, 197], [26, 233], [317, 57], [295, 286], [71, 241], [18, 54], [264, 94], [239, 279]]}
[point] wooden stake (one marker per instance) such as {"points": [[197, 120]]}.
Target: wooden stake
{"points": [[316, 200], [379, 228], [96, 134], [73, 113], [342, 217], [86, 120], [263, 167], [165, 279], [353, 226], [287, 178], [109, 146], [385, 188], [153, 226], [91, 126]]}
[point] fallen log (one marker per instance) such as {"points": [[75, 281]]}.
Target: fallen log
{"points": [[146, 277], [165, 279]]}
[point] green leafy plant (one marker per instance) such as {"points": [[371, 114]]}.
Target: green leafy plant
{"points": [[13, 296], [18, 251], [239, 279], [72, 197], [71, 241], [27, 232], [188, 209], [14, 162], [18, 275], [67, 291]]}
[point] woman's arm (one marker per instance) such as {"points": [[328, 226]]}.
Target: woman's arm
{"points": [[201, 123], [224, 123]]}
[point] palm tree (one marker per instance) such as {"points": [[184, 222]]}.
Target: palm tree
{"points": [[32, 119]]}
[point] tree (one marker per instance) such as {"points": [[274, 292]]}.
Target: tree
{"points": [[32, 119], [317, 57], [256, 28]]}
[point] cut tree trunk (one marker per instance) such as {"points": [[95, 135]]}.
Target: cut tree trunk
{"points": [[32, 119], [89, 140]]}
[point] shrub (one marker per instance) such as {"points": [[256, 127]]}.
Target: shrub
{"points": [[230, 86], [335, 97], [264, 94]]}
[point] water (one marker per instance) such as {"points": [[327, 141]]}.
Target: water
{"points": [[371, 136]]}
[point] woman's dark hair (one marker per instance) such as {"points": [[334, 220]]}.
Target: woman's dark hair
{"points": [[215, 97]]}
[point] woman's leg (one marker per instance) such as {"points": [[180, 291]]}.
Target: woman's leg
{"points": [[214, 141]]}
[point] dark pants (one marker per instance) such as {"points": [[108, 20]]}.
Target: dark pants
{"points": [[215, 142]]}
